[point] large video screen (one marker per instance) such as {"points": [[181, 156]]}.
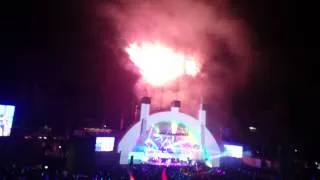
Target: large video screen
{"points": [[233, 151], [6, 119], [104, 144]]}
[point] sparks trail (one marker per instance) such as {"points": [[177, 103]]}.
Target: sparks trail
{"points": [[159, 64]]}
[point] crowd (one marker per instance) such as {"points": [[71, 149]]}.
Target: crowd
{"points": [[141, 172]]}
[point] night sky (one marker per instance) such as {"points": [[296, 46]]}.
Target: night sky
{"points": [[57, 70]]}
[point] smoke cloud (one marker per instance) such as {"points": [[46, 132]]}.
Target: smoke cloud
{"points": [[209, 30]]}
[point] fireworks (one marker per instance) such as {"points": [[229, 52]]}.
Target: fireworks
{"points": [[185, 49], [159, 64]]}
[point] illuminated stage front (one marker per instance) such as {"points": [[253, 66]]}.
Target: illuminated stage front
{"points": [[169, 138]]}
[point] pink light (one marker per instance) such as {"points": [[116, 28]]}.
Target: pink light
{"points": [[164, 175]]}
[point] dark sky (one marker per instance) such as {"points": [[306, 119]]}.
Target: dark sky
{"points": [[56, 69]]}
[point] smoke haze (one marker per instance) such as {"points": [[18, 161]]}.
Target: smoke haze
{"points": [[210, 31]]}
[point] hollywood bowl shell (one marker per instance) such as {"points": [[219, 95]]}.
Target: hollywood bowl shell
{"points": [[197, 133]]}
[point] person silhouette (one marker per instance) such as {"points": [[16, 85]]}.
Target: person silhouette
{"points": [[2, 123]]}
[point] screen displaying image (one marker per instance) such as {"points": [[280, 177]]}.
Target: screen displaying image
{"points": [[6, 119], [233, 151], [104, 144]]}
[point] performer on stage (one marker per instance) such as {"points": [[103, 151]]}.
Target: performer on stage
{"points": [[2, 125]]}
